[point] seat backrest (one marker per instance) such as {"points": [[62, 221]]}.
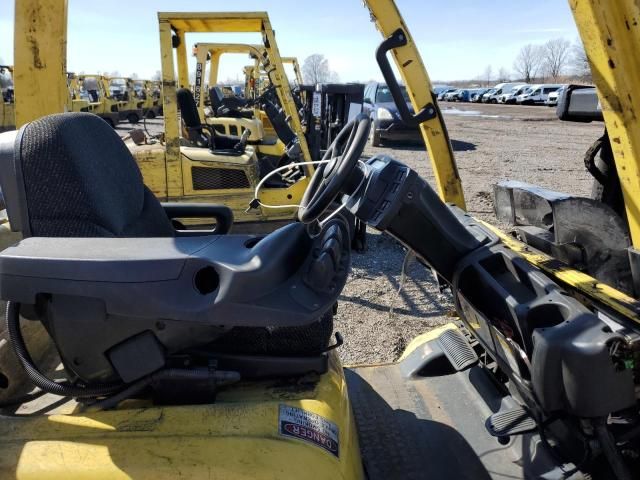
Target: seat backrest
{"points": [[188, 108], [216, 97], [71, 175]]}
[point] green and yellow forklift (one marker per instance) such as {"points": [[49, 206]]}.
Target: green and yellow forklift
{"points": [[210, 354]]}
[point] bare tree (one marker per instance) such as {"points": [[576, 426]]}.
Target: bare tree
{"points": [[487, 75], [157, 76], [315, 69], [134, 76], [503, 75], [528, 62], [556, 56], [580, 61]]}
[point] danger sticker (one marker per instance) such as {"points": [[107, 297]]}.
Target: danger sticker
{"points": [[310, 427]]}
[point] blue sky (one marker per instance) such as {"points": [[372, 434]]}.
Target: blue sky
{"points": [[457, 38]]}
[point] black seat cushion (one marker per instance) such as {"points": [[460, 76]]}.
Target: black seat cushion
{"points": [[80, 180]]}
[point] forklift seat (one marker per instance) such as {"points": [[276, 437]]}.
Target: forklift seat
{"points": [[227, 106], [217, 142], [71, 175]]}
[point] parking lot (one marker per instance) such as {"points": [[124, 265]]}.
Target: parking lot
{"points": [[491, 143]]}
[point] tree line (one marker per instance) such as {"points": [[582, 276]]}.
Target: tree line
{"points": [[552, 60]]}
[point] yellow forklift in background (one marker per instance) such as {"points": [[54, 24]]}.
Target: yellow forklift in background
{"points": [[217, 358], [89, 93], [231, 115], [79, 99], [130, 105], [7, 99], [150, 93], [293, 61], [198, 163]]}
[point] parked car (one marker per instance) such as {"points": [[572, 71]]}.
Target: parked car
{"points": [[451, 96], [510, 97], [386, 123], [477, 94], [463, 95], [442, 93], [537, 94], [486, 95], [498, 90], [553, 97], [438, 89]]}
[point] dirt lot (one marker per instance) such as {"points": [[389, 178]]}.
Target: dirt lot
{"points": [[491, 143]]}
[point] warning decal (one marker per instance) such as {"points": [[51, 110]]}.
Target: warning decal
{"points": [[310, 427]]}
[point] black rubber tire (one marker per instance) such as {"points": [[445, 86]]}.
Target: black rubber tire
{"points": [[151, 114], [133, 118]]}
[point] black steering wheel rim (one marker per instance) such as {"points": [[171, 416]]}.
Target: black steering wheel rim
{"points": [[330, 178]]}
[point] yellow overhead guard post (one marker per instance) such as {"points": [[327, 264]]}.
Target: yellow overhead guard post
{"points": [[387, 18], [609, 31], [40, 58]]}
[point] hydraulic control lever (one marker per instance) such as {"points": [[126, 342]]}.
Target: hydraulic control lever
{"points": [[394, 199]]}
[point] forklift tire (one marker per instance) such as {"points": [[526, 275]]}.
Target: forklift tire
{"points": [[150, 114], [133, 118], [374, 137]]}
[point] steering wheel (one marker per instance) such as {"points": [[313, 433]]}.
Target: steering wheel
{"points": [[331, 178]]}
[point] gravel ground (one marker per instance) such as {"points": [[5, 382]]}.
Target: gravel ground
{"points": [[376, 317]]}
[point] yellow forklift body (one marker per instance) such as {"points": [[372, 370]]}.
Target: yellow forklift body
{"points": [[616, 75], [151, 160], [238, 437], [38, 60]]}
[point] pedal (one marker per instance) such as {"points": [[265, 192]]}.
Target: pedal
{"points": [[510, 420], [457, 349]]}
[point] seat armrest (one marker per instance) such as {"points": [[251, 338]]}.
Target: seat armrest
{"points": [[222, 214]]}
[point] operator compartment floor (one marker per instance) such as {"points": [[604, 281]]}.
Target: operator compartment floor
{"points": [[429, 427]]}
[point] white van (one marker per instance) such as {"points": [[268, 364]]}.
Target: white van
{"points": [[499, 89], [537, 94], [510, 96]]}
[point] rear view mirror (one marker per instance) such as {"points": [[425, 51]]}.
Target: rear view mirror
{"points": [[579, 103]]}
